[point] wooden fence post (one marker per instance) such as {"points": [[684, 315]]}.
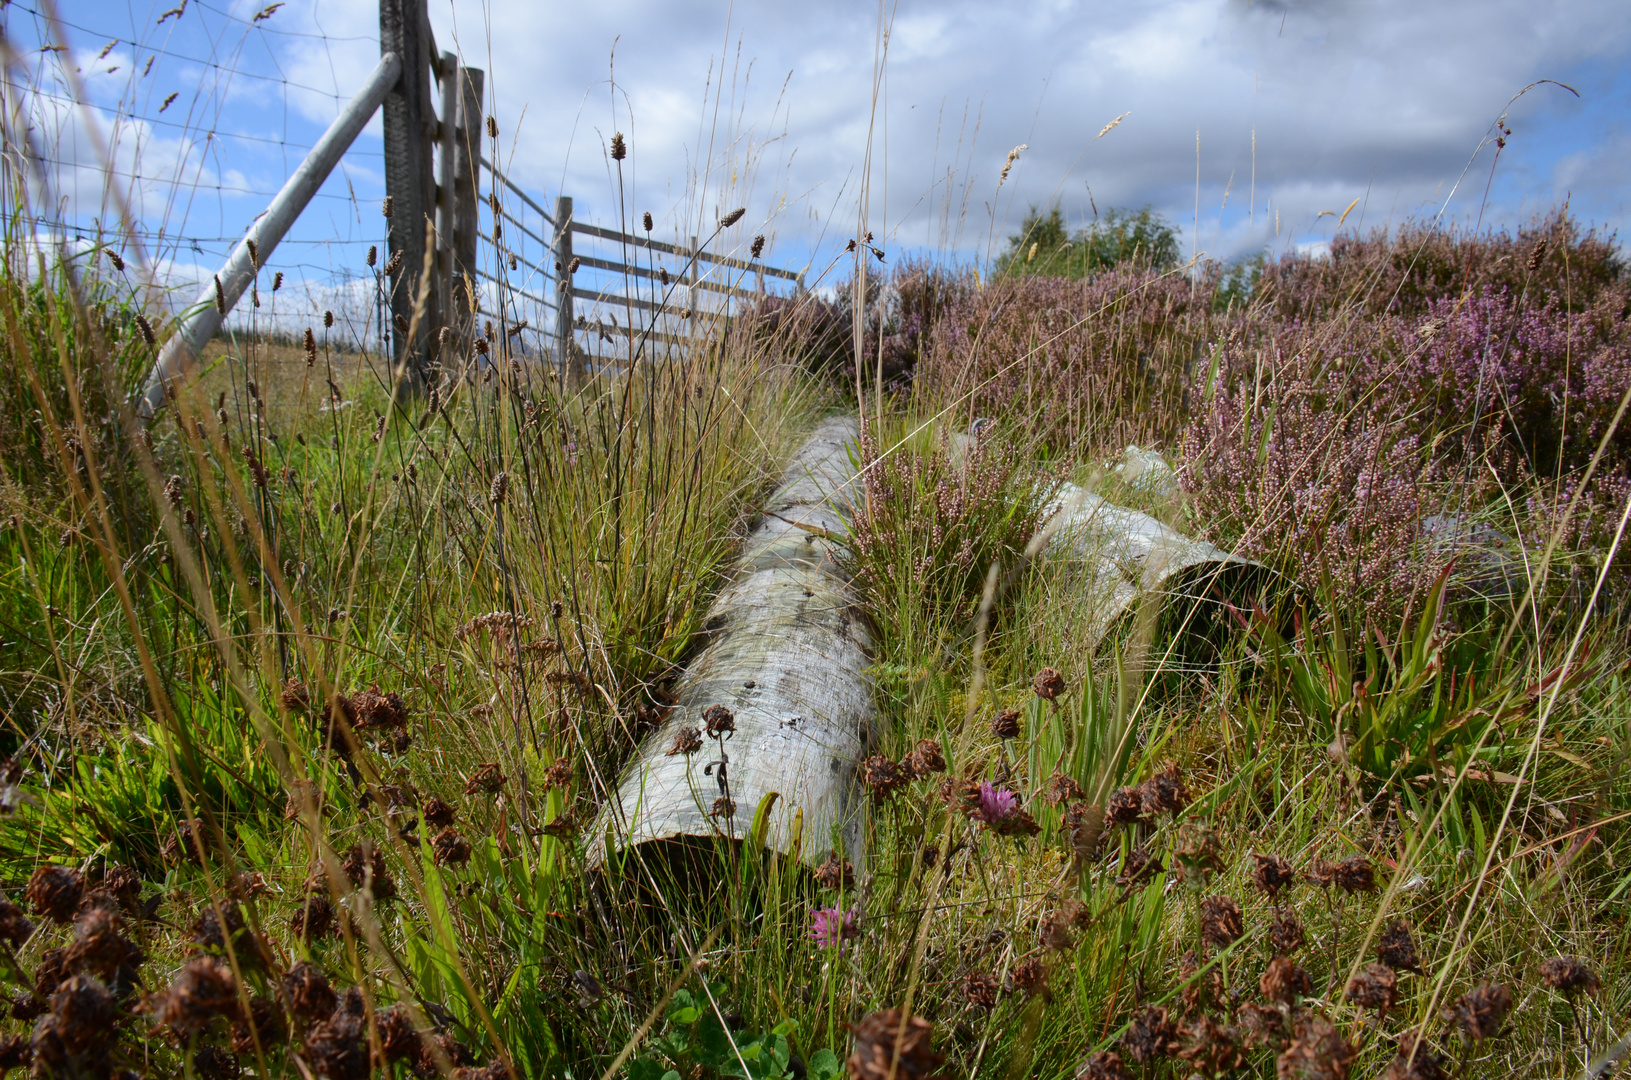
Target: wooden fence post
{"points": [[410, 180], [466, 191], [565, 342]]}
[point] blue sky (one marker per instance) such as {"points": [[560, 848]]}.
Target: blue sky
{"points": [[773, 106]]}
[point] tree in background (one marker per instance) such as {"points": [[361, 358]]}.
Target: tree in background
{"points": [[1043, 247]]}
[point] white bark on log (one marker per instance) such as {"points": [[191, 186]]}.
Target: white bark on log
{"points": [[788, 654], [1131, 554]]}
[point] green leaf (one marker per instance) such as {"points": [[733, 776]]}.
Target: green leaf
{"points": [[823, 1065]]}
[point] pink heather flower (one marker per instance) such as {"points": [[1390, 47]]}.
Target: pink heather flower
{"points": [[831, 926], [996, 804]]}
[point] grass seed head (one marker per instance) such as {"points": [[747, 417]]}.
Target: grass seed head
{"points": [[732, 218], [646, 222], [620, 148]]}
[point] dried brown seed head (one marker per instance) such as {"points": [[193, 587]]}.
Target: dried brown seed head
{"points": [[1211, 1048], [980, 990], [54, 892], [732, 218], [620, 148], [1048, 684], [687, 740], [1480, 1012], [202, 991], [718, 720], [1397, 948], [1416, 1059], [925, 760], [882, 777], [1030, 977], [1164, 793], [757, 248], [1319, 1052], [1006, 724], [364, 866], [437, 813], [1125, 806], [15, 927], [1104, 1065], [1151, 1035], [488, 779], [645, 220], [314, 919], [449, 848], [1374, 987], [85, 1014], [1286, 933], [1569, 975], [1355, 875], [890, 1046], [306, 992], [1062, 789], [1272, 875], [1222, 922], [835, 872], [1283, 982]]}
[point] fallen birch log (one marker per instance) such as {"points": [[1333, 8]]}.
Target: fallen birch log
{"points": [[787, 655], [1129, 555]]}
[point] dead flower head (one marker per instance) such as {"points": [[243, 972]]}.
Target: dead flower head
{"points": [[364, 865], [437, 813], [882, 777], [1397, 949], [891, 1046], [1569, 976], [1048, 684], [1006, 724], [1286, 933], [1480, 1012], [1319, 1052], [835, 873], [1222, 923], [687, 740], [718, 721], [54, 892], [488, 779], [1164, 793], [449, 848], [1197, 854], [314, 919], [1211, 1048], [1374, 987], [980, 990], [1415, 1059], [1104, 1065], [1355, 875], [1030, 977], [203, 990], [1062, 789], [1151, 1035], [925, 760], [1272, 875], [306, 992], [1125, 806], [1284, 981]]}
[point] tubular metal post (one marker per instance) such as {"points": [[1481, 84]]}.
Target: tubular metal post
{"points": [[205, 318], [447, 143], [565, 344]]}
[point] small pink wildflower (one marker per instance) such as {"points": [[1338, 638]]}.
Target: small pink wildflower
{"points": [[831, 926], [996, 804]]}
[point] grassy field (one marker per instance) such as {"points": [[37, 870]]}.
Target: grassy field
{"points": [[311, 696]]}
